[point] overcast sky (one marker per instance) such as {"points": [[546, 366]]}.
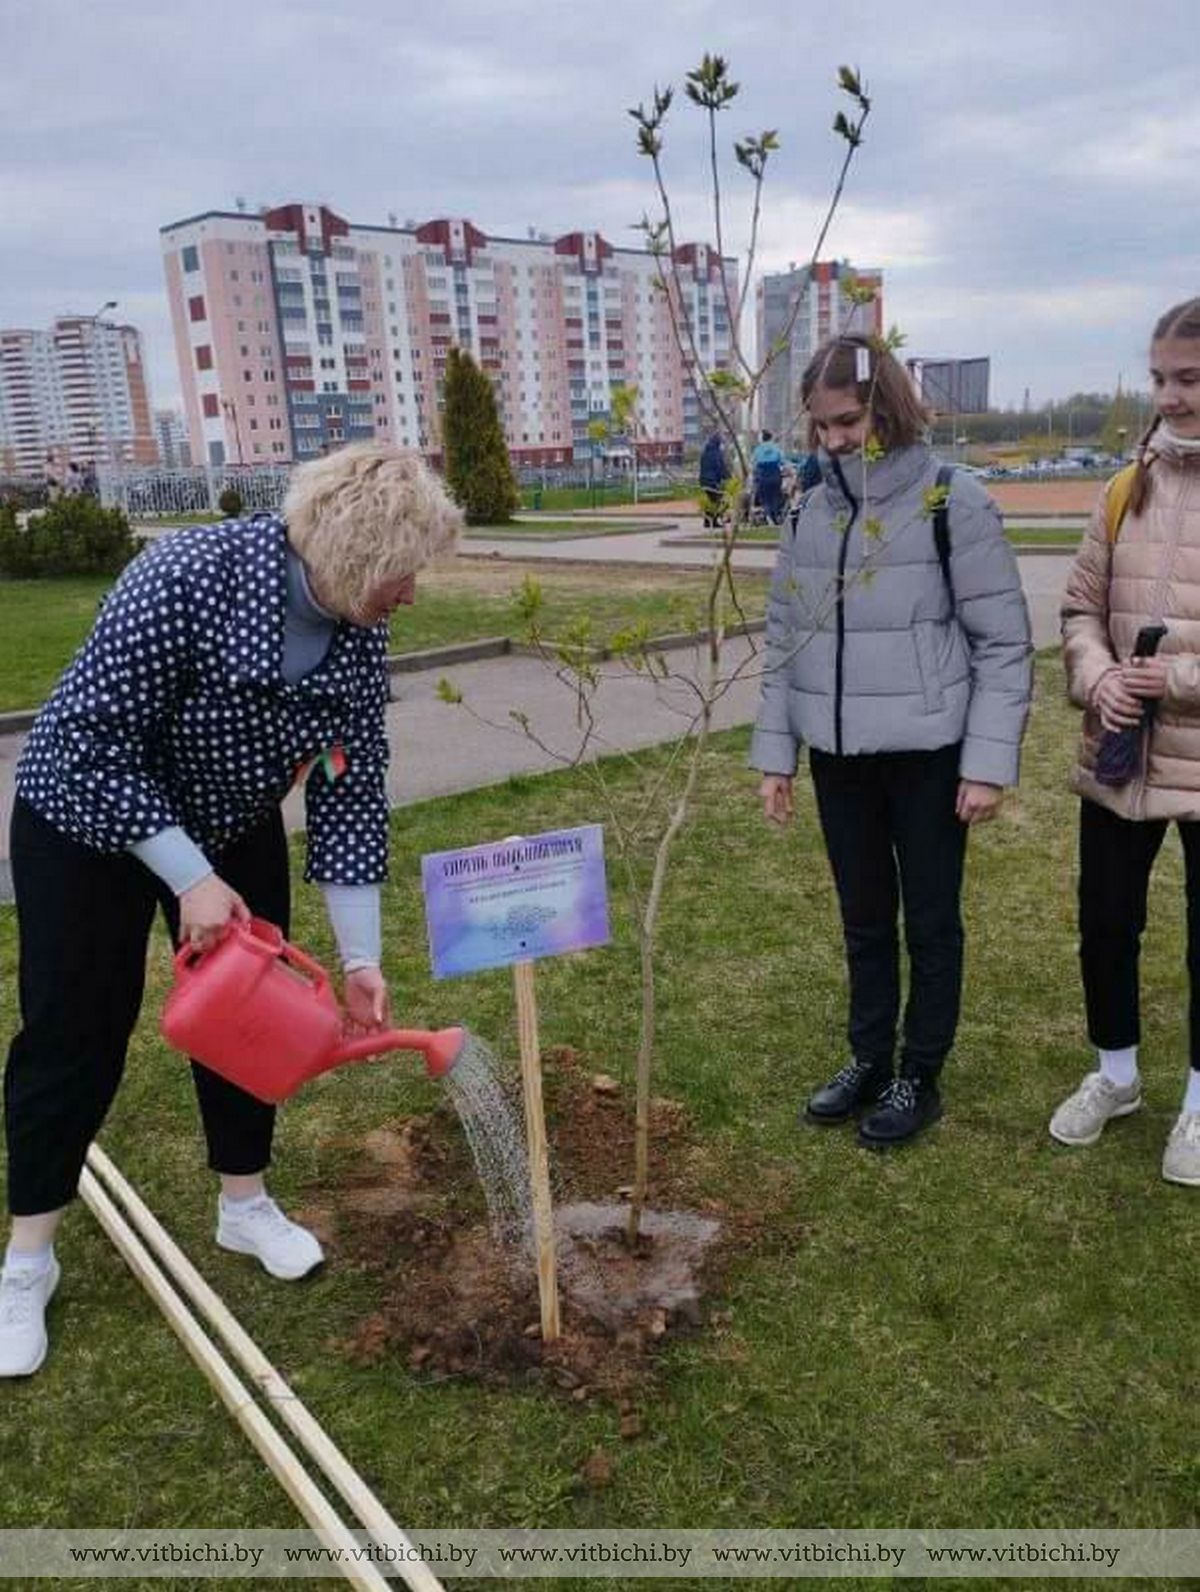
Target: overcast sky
{"points": [[1029, 181]]}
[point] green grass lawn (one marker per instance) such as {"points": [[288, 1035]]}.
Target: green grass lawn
{"points": [[1044, 535], [980, 1330], [556, 498], [43, 622]]}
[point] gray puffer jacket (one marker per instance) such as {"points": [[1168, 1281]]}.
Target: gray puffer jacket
{"points": [[866, 651]]}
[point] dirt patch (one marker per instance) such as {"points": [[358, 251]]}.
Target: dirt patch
{"points": [[407, 1208], [1044, 497]]}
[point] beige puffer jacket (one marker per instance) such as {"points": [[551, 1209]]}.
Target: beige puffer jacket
{"points": [[1152, 573]]}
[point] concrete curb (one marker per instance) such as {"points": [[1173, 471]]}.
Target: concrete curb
{"points": [[667, 643], [435, 658]]}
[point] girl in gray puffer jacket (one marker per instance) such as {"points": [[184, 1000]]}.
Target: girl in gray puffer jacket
{"points": [[906, 667]]}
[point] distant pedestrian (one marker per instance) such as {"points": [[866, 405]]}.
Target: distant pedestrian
{"points": [[52, 479], [1138, 569], [73, 485], [767, 464], [90, 485], [714, 473]]}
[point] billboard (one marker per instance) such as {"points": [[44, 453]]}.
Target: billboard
{"points": [[952, 386]]}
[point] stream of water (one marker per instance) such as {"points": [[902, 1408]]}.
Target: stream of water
{"points": [[495, 1131]]}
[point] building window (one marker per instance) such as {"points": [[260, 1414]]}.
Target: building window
{"points": [[191, 257], [211, 405], [196, 307], [204, 360]]}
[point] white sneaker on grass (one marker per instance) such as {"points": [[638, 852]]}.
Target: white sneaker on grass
{"points": [[1082, 1116], [1181, 1158], [25, 1291], [258, 1227]]}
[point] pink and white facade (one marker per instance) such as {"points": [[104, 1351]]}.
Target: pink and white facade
{"points": [[804, 307], [296, 331], [76, 391]]}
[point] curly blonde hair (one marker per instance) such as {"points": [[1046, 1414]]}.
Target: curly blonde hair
{"points": [[369, 513]]}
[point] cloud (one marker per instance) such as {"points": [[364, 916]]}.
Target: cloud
{"points": [[1028, 181]]}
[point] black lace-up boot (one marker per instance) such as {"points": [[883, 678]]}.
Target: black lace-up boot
{"points": [[905, 1107], [858, 1085]]}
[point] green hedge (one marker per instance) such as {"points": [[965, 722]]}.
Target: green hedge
{"points": [[73, 536]]}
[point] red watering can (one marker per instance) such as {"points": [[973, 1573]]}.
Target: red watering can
{"points": [[264, 1015]]}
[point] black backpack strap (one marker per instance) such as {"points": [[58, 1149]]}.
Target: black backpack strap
{"points": [[941, 526]]}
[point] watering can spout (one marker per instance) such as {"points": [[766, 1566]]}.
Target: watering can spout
{"points": [[446, 1047], [441, 1047]]}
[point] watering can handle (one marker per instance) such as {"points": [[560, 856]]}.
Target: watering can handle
{"points": [[266, 936], [300, 960]]}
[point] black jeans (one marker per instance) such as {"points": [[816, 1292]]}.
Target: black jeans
{"points": [[1116, 856], [84, 920], [768, 487], [892, 837]]}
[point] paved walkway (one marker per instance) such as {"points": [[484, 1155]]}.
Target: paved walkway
{"points": [[438, 749]]}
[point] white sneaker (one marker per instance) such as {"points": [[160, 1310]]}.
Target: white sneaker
{"points": [[258, 1227], [1082, 1116], [1181, 1158], [24, 1294]]}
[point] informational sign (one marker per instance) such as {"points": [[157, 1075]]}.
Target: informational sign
{"points": [[515, 900]]}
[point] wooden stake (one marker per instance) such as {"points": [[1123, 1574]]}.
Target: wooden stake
{"points": [[271, 1386], [232, 1391], [539, 1159]]}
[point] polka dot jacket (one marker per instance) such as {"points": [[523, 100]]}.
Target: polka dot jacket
{"points": [[175, 711]]}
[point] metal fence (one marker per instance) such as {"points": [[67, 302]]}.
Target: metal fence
{"points": [[149, 492]]}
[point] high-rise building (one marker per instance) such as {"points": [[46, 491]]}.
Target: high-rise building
{"points": [[797, 310], [171, 435], [75, 391], [296, 331]]}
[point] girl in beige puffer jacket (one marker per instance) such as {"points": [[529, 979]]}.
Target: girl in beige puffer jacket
{"points": [[1147, 573]]}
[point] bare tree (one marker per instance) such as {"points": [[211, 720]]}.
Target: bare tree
{"points": [[644, 844]]}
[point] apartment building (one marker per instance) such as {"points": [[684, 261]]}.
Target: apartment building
{"points": [[171, 436], [74, 391], [296, 331], [802, 307]]}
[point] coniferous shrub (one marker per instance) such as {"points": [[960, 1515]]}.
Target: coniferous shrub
{"points": [[73, 536], [479, 472]]}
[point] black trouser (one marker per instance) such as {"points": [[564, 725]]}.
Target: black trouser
{"points": [[769, 490], [892, 836], [1116, 856], [84, 920]]}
